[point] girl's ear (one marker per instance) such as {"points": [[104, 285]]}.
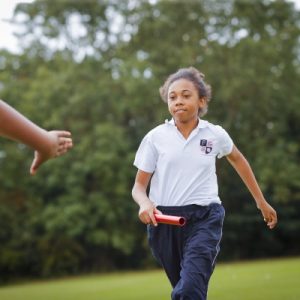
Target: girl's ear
{"points": [[202, 102], [202, 105]]}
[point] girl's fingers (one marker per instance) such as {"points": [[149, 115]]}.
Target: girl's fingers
{"points": [[145, 218], [156, 211], [271, 220], [272, 223], [65, 144], [153, 219]]}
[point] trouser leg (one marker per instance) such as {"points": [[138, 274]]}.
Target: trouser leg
{"points": [[200, 252], [166, 245]]}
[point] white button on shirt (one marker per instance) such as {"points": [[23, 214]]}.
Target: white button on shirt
{"points": [[184, 170]]}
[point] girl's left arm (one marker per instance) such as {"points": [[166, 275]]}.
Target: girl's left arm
{"points": [[241, 165]]}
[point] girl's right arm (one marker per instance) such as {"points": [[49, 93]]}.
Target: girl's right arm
{"points": [[139, 195]]}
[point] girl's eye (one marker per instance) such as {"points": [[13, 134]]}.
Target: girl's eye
{"points": [[186, 96], [172, 98]]}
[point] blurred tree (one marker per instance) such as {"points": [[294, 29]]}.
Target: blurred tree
{"points": [[95, 68]]}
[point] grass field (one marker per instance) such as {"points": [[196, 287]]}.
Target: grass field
{"points": [[269, 279]]}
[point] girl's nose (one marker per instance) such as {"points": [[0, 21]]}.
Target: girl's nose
{"points": [[179, 101]]}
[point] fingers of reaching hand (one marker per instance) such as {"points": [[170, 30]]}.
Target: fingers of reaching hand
{"points": [[65, 142], [64, 133], [64, 145], [61, 133]]}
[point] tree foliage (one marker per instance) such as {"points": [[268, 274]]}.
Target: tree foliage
{"points": [[94, 68]]}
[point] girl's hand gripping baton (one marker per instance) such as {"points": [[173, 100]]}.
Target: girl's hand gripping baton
{"points": [[171, 220]]}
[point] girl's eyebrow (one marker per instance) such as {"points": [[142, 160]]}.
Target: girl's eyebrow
{"points": [[183, 91]]}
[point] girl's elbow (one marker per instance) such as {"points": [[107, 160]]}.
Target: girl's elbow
{"points": [[133, 191]]}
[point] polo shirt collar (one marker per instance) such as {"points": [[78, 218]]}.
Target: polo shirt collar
{"points": [[201, 123]]}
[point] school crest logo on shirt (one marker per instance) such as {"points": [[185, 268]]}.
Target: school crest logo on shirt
{"points": [[206, 146]]}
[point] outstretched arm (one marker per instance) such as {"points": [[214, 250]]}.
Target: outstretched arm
{"points": [[15, 126], [241, 165], [139, 194]]}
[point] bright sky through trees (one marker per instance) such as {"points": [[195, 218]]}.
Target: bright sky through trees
{"points": [[8, 40]]}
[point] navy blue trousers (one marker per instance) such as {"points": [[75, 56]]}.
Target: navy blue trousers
{"points": [[188, 254]]}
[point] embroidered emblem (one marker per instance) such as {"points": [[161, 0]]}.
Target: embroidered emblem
{"points": [[203, 142], [208, 150], [206, 146]]}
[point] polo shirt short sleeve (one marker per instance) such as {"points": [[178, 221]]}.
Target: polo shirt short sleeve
{"points": [[225, 142], [146, 156]]}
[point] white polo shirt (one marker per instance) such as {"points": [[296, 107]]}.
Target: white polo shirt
{"points": [[184, 170]]}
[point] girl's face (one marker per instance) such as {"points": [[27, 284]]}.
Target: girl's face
{"points": [[183, 101]]}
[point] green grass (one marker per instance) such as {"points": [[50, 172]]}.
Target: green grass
{"points": [[270, 279]]}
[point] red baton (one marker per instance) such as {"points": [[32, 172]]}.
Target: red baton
{"points": [[171, 220]]}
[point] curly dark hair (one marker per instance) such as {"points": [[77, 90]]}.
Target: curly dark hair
{"points": [[196, 77]]}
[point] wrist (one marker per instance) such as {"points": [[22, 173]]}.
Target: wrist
{"points": [[48, 147], [145, 201], [260, 203]]}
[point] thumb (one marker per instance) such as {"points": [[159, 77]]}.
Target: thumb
{"points": [[35, 164], [156, 211]]}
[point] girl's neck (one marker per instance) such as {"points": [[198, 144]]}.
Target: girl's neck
{"points": [[186, 128]]}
